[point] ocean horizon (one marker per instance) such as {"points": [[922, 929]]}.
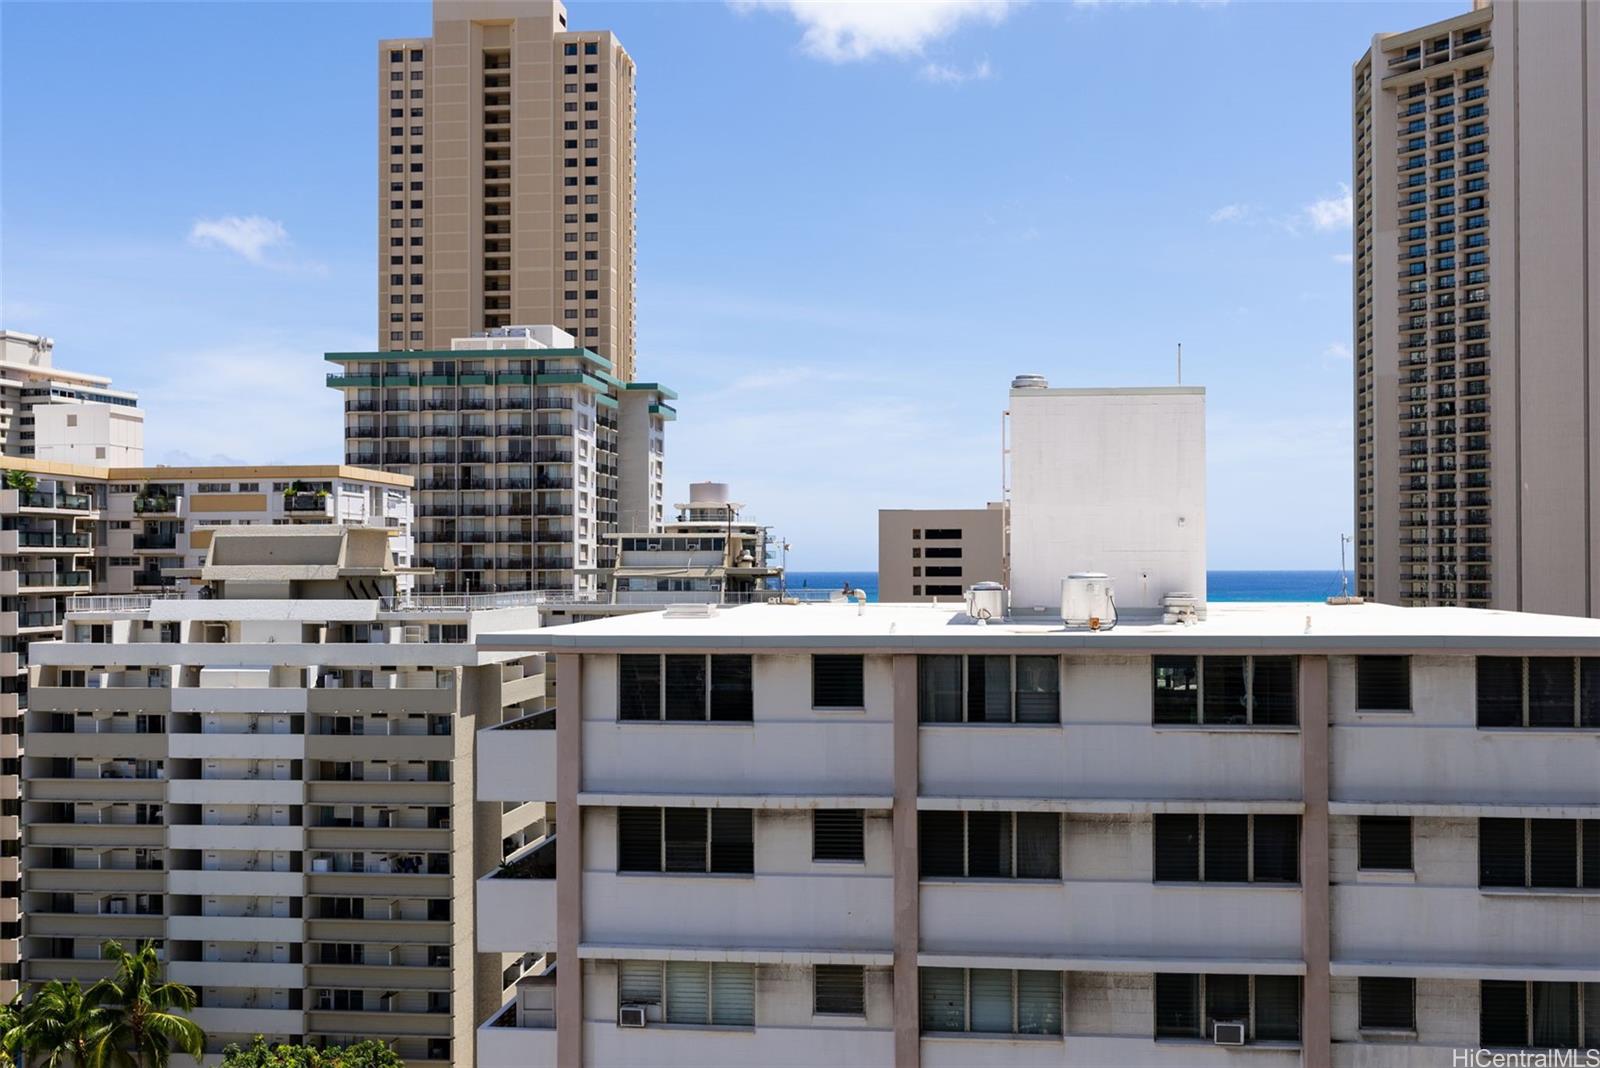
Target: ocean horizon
{"points": [[1220, 585]]}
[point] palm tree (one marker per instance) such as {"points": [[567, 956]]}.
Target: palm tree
{"points": [[141, 1028], [58, 1028], [21, 480], [10, 1022]]}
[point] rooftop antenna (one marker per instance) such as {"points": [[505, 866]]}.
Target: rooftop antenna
{"points": [[1344, 576], [1180, 363]]}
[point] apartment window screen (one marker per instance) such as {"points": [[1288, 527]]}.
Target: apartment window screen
{"points": [[989, 845], [839, 990], [1387, 1003], [1226, 848], [687, 840], [1384, 843], [1538, 691], [838, 834], [1225, 690], [836, 682], [1188, 1006], [684, 688], [1521, 1015], [1539, 854], [989, 689], [1383, 683], [990, 1001], [691, 992]]}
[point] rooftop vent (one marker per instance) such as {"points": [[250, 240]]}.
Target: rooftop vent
{"points": [[1030, 382], [692, 610]]}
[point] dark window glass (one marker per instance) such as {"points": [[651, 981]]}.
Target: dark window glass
{"points": [[1038, 689], [943, 998], [1038, 845], [836, 682], [1277, 849], [1501, 860], [1388, 1004], [1227, 857], [1038, 1002], [733, 840], [1273, 696], [1551, 697], [686, 687], [1277, 1008], [1177, 848], [837, 834], [1383, 683], [1385, 843], [1177, 1006], [988, 689], [1177, 690], [1227, 999], [1502, 1013], [685, 830], [638, 839], [840, 990], [1591, 864], [1223, 689], [1589, 692], [1499, 691], [1591, 1015], [640, 691], [939, 689], [988, 844], [1553, 853], [940, 845], [1555, 1015], [732, 694]]}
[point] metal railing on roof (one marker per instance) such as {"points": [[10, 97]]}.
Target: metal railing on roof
{"points": [[136, 602]]}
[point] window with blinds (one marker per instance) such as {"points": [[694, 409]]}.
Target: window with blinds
{"points": [[686, 840], [1520, 1015], [838, 834], [1539, 854], [1189, 1006], [1538, 691], [989, 845], [1225, 848], [692, 993], [839, 990], [837, 682], [1383, 683], [1387, 1003], [989, 689], [1384, 843], [1225, 691], [684, 687], [990, 1001]]}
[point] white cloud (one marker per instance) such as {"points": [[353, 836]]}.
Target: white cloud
{"points": [[1231, 213], [1337, 350], [1344, 258], [842, 31], [250, 236], [946, 75], [1331, 213]]}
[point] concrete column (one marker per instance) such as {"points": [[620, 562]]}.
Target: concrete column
{"points": [[1316, 1032], [569, 860], [907, 1029]]}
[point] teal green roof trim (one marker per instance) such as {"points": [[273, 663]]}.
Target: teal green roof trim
{"points": [[657, 387], [571, 378], [606, 401], [665, 411], [474, 354]]}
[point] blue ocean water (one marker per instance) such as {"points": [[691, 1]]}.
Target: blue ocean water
{"points": [[1220, 585]]}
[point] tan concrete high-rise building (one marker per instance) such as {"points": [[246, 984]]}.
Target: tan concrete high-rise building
{"points": [[1477, 342], [506, 179]]}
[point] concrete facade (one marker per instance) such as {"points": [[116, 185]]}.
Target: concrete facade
{"points": [[1477, 402], [930, 553], [67, 416]]}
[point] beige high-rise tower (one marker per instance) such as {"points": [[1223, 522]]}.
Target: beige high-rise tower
{"points": [[506, 179], [1477, 341]]}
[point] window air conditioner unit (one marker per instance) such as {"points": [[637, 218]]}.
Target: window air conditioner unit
{"points": [[630, 1016], [1228, 1032]]}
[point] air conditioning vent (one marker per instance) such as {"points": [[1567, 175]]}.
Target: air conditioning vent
{"points": [[630, 1016], [1228, 1032]]}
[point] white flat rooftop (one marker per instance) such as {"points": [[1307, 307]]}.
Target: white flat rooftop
{"points": [[1238, 626]]}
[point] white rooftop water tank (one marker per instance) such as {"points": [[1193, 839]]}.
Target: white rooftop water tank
{"points": [[1086, 598]]}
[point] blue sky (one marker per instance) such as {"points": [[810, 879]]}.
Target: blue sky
{"points": [[856, 223]]}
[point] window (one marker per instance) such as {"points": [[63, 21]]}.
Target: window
{"points": [[1189, 1006], [1538, 1015], [1387, 1004], [1383, 683], [989, 845], [1538, 691], [1539, 854], [1384, 843], [1225, 690], [836, 682], [941, 534], [1225, 848], [838, 834], [686, 840], [988, 689], [839, 990], [684, 687], [690, 992], [990, 1001]]}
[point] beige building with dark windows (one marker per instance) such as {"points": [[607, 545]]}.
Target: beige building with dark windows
{"points": [[1477, 351], [930, 553], [506, 179]]}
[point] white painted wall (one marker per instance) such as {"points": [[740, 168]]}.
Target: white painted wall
{"points": [[1108, 480], [107, 435]]}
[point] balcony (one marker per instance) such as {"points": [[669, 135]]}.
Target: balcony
{"points": [[306, 502], [523, 1033], [517, 760], [517, 904]]}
